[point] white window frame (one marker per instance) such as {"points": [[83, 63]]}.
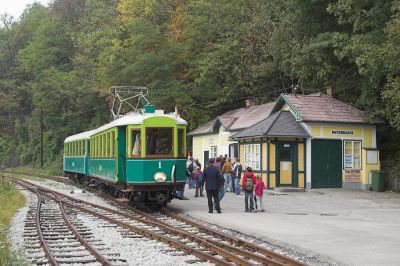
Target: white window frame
{"points": [[349, 159], [213, 151], [252, 156]]}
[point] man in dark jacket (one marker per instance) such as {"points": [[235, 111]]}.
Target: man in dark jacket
{"points": [[212, 179]]}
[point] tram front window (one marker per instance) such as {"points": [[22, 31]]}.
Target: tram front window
{"points": [[159, 141]]}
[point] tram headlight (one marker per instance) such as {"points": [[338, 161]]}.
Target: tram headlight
{"points": [[160, 177]]}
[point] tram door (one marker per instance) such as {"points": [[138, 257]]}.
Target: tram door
{"points": [[285, 160]]}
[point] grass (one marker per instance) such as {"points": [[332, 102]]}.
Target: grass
{"points": [[11, 200], [49, 170]]}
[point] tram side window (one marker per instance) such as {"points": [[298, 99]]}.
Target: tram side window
{"points": [[108, 144], [181, 146], [159, 141], [113, 144], [136, 146]]}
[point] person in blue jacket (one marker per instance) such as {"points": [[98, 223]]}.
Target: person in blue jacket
{"points": [[212, 178]]}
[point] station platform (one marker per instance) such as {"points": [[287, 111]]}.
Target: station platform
{"points": [[348, 227]]}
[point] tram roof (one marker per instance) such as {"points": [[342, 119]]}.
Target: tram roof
{"points": [[128, 119]]}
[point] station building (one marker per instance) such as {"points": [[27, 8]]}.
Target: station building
{"points": [[213, 138], [311, 141]]}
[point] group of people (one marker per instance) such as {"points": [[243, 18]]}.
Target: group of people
{"points": [[221, 176]]}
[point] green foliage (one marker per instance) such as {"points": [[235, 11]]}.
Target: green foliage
{"points": [[203, 56]]}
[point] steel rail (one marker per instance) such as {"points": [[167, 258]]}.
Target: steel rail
{"points": [[239, 242], [86, 244], [43, 244], [213, 245], [147, 233], [271, 258]]}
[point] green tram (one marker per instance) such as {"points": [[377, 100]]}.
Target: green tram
{"points": [[140, 156]]}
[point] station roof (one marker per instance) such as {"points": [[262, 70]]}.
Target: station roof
{"points": [[279, 124], [320, 108], [235, 120]]}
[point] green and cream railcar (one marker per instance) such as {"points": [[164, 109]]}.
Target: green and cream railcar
{"points": [[142, 155], [76, 154]]}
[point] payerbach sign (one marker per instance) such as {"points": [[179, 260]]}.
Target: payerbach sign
{"points": [[342, 132]]}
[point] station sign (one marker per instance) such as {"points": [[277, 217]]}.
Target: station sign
{"points": [[342, 132]]}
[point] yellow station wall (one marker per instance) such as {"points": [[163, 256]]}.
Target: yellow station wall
{"points": [[365, 133], [204, 142]]}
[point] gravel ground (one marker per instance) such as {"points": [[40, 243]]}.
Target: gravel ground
{"points": [[17, 226], [135, 249]]}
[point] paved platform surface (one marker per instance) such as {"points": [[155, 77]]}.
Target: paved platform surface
{"points": [[352, 227]]}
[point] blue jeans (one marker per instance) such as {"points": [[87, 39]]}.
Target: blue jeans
{"points": [[179, 193], [221, 192], [228, 182], [249, 196], [237, 185]]}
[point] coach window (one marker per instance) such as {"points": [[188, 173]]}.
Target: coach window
{"points": [[108, 145], [136, 145], [159, 141], [181, 146], [113, 144]]}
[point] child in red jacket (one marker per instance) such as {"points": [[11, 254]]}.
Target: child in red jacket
{"points": [[259, 191], [249, 180]]}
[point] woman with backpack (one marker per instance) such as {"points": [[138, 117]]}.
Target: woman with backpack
{"points": [[249, 180], [199, 179]]}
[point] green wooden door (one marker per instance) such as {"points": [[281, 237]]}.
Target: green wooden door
{"points": [[326, 163]]}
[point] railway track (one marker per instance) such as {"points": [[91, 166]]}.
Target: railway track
{"points": [[183, 234], [55, 237]]}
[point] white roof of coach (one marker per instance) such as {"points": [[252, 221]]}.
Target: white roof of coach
{"points": [[128, 119], [80, 136]]}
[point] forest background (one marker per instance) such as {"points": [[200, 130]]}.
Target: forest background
{"points": [[203, 56]]}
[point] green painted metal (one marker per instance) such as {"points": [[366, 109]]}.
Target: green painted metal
{"points": [[103, 168], [278, 147], [149, 109], [326, 163], [76, 164], [143, 170], [121, 154], [268, 166]]}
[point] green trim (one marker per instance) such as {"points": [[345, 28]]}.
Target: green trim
{"points": [[305, 165], [268, 165], [280, 102], [278, 145]]}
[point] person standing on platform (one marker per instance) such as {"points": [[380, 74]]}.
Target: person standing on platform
{"points": [[249, 180], [237, 170], [199, 179], [259, 191], [226, 171], [221, 187], [212, 178]]}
